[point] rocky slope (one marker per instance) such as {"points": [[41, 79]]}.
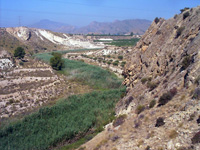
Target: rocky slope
{"points": [[33, 39], [161, 110]]}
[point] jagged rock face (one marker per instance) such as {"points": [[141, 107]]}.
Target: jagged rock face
{"points": [[160, 54], [162, 102], [159, 51], [166, 60], [20, 32]]}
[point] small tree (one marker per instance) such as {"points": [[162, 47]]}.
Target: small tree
{"points": [[19, 52], [131, 34], [120, 57], [156, 20], [56, 61]]}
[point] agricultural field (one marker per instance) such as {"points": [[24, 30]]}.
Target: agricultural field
{"points": [[120, 42]]}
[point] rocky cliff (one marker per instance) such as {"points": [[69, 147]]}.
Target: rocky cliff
{"points": [[161, 109]]}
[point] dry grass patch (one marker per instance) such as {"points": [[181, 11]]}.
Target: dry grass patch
{"points": [[173, 134]]}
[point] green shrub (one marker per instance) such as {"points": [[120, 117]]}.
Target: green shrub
{"points": [[156, 20], [119, 120], [123, 63], [145, 79], [109, 62], [152, 103], [179, 31], [19, 52], [152, 85], [186, 14], [11, 101], [185, 62], [186, 8], [120, 57], [115, 63], [166, 97], [159, 122], [139, 109], [21, 63], [56, 61]]}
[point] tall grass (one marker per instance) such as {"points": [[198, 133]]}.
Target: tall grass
{"points": [[63, 121], [93, 76], [70, 117]]}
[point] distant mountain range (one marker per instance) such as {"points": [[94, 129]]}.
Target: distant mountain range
{"points": [[137, 26]]}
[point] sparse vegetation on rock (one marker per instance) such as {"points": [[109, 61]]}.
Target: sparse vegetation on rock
{"points": [[173, 134], [166, 97], [152, 85], [186, 8], [186, 14], [179, 31], [185, 62], [156, 20], [159, 122], [119, 120], [145, 79], [152, 103], [139, 109], [196, 138]]}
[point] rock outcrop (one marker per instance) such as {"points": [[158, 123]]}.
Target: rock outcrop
{"points": [[162, 103], [32, 39], [6, 60]]}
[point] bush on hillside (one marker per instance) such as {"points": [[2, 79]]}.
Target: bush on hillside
{"points": [[186, 14], [152, 103], [185, 62], [56, 61], [145, 79], [166, 97], [159, 122], [152, 85], [120, 57], [119, 120], [179, 31], [156, 20], [19, 52], [139, 109], [186, 8]]}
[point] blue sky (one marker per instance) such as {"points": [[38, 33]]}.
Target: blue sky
{"points": [[82, 12]]}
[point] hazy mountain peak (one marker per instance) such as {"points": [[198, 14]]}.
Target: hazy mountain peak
{"points": [[137, 26]]}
